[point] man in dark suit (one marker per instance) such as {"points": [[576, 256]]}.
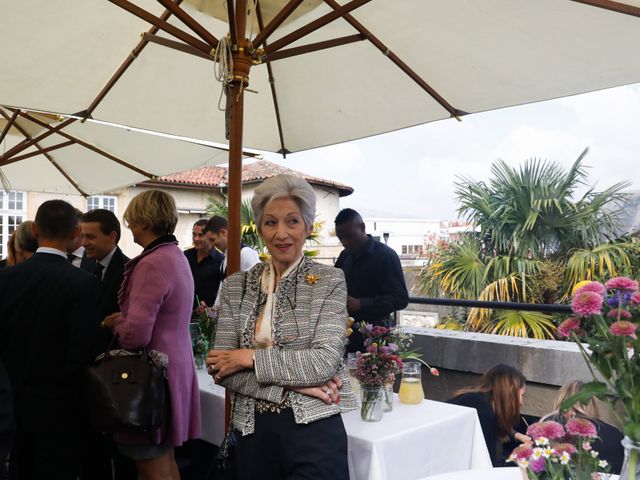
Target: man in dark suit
{"points": [[47, 328], [100, 237], [205, 263], [75, 250], [372, 270], [6, 420]]}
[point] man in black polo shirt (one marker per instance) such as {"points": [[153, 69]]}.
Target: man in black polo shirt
{"points": [[206, 264], [375, 282]]}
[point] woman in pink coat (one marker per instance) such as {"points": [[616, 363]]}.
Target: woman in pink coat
{"points": [[156, 299]]}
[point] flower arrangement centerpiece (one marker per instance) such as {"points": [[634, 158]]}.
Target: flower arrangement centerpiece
{"points": [[203, 331], [559, 453], [376, 369], [605, 328]]}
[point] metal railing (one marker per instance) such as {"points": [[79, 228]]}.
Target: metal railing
{"points": [[531, 307]]}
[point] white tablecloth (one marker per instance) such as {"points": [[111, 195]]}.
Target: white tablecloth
{"points": [[411, 442], [508, 473]]}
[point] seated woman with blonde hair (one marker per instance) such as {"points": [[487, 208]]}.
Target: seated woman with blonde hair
{"points": [[279, 346], [609, 437]]}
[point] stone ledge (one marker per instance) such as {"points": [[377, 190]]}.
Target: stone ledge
{"points": [[547, 362]]}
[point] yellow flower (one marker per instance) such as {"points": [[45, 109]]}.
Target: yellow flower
{"points": [[312, 279], [578, 285], [349, 332], [350, 321]]}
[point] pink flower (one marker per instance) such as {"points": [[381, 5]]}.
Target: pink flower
{"points": [[560, 448], [537, 464], [570, 325], [622, 283], [587, 303], [619, 313], [434, 371], [635, 299], [623, 328], [550, 429], [523, 452], [595, 287], [581, 427]]}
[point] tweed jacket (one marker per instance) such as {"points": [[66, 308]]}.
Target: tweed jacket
{"points": [[309, 334]]}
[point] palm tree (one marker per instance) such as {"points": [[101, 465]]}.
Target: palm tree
{"points": [[529, 223]]}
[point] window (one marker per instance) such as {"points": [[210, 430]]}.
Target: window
{"points": [[107, 202], [412, 249], [13, 206]]}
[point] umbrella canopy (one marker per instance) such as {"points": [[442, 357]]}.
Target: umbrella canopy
{"points": [[89, 158], [393, 64]]}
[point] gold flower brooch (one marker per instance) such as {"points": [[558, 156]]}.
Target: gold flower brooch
{"points": [[312, 279]]}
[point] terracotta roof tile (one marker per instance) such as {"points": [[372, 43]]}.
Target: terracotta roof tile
{"points": [[253, 172]]}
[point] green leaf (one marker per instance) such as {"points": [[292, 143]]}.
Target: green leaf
{"points": [[588, 390]]}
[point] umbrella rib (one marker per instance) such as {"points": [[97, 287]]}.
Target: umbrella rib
{"points": [[272, 82], [124, 66], [45, 154], [612, 6], [32, 140], [314, 47], [162, 25], [338, 12], [10, 121], [265, 32], [183, 47], [232, 22], [395, 59], [190, 22], [93, 148], [42, 150]]}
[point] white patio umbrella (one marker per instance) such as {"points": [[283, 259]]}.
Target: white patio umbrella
{"points": [[89, 158], [336, 72]]}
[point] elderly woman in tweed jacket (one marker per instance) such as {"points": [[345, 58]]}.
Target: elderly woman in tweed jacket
{"points": [[279, 348]]}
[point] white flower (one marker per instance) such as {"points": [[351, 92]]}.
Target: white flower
{"points": [[547, 452], [542, 441], [594, 454], [564, 458], [603, 463], [524, 463], [537, 453]]}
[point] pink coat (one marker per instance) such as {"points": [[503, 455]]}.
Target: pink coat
{"points": [[156, 301]]}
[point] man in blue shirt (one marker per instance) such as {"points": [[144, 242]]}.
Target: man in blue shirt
{"points": [[375, 282]]}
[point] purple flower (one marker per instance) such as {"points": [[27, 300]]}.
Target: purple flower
{"points": [[571, 324], [581, 427], [551, 430], [622, 283], [587, 303], [393, 347], [537, 464]]}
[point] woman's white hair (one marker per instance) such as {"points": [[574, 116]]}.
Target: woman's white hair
{"points": [[285, 186]]}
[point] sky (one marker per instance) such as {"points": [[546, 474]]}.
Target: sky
{"points": [[411, 172]]}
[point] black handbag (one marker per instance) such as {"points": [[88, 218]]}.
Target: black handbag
{"points": [[128, 391]]}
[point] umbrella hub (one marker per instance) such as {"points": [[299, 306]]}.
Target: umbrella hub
{"points": [[243, 59]]}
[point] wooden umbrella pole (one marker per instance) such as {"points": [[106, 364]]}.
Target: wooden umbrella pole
{"points": [[242, 62]]}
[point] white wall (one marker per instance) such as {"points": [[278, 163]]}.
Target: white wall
{"points": [[191, 204]]}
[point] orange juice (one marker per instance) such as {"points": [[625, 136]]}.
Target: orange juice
{"points": [[411, 391]]}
